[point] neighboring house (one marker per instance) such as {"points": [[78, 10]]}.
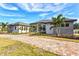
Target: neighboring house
{"points": [[18, 27], [76, 31], [65, 29]]}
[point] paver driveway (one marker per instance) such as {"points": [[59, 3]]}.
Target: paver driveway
{"points": [[59, 47]]}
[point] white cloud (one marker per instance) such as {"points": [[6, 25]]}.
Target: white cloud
{"points": [[43, 14], [20, 20], [57, 14], [24, 6], [56, 3], [67, 12], [36, 7], [5, 6], [70, 13], [18, 15], [77, 20]]}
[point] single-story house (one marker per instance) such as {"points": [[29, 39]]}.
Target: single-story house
{"points": [[65, 29], [76, 31], [18, 27]]}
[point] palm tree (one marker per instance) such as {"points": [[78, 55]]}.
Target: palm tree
{"points": [[40, 27], [57, 21], [4, 28], [33, 28]]}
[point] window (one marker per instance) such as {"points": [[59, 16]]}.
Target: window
{"points": [[62, 25], [44, 27], [15, 27], [25, 28], [22, 27], [67, 24]]}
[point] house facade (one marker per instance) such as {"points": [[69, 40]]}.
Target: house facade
{"points": [[18, 27], [65, 29]]}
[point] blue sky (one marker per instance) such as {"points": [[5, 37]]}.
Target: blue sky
{"points": [[31, 12]]}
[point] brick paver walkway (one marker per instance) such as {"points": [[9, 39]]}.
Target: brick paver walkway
{"points": [[64, 48]]}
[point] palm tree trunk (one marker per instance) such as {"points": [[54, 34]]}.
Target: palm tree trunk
{"points": [[57, 31]]}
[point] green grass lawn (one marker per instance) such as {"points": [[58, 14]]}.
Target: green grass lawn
{"points": [[16, 48]]}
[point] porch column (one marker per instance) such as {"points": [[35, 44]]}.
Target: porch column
{"points": [[37, 28], [28, 28]]}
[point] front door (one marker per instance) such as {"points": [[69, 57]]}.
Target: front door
{"points": [[44, 28]]}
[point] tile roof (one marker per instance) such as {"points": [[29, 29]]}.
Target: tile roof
{"points": [[49, 21], [19, 23]]}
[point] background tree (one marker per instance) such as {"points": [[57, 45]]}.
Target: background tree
{"points": [[76, 26], [4, 26], [33, 28], [40, 27]]}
